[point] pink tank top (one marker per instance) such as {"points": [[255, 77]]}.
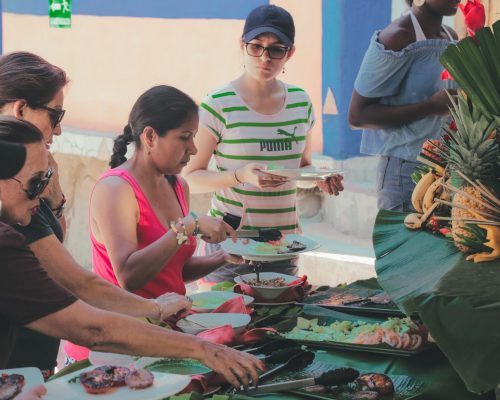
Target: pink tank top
{"points": [[149, 229]]}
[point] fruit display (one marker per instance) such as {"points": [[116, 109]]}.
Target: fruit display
{"points": [[463, 169]]}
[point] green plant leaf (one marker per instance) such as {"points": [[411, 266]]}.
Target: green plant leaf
{"points": [[426, 274]]}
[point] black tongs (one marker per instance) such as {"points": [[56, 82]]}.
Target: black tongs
{"points": [[260, 235]]}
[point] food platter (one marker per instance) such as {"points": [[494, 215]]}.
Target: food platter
{"points": [[285, 327], [164, 385], [304, 174], [32, 376], [354, 300], [405, 387], [264, 252]]}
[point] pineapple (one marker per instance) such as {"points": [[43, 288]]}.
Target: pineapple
{"points": [[472, 150]]}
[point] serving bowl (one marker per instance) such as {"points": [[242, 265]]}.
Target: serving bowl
{"points": [[267, 292], [196, 323]]}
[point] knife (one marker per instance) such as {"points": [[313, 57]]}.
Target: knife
{"points": [[260, 235]]}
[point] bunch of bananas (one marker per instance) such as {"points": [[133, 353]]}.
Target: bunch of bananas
{"points": [[427, 189]]}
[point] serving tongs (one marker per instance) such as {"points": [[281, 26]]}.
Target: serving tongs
{"points": [[299, 361], [269, 347], [259, 235], [335, 377]]}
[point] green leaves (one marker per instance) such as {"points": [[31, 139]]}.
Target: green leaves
{"points": [[458, 300], [471, 149], [475, 64]]}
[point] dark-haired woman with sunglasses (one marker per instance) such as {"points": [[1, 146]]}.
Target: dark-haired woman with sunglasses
{"points": [[31, 89], [28, 297], [249, 124]]}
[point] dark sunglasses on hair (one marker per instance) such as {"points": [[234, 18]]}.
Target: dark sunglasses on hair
{"points": [[36, 186], [55, 114], [275, 52]]}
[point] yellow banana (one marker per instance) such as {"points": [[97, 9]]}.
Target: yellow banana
{"points": [[434, 190], [418, 194]]}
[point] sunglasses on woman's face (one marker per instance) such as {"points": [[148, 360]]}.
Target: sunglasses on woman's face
{"points": [[275, 52], [55, 114], [36, 186]]}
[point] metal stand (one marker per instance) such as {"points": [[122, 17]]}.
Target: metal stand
{"points": [[257, 268]]}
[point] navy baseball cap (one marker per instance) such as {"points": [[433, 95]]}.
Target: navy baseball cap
{"points": [[270, 19], [12, 158]]}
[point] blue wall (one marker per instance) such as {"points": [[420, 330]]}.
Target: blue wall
{"points": [[221, 9], [347, 28]]}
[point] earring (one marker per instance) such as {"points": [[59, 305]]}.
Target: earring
{"points": [[419, 3], [283, 70]]}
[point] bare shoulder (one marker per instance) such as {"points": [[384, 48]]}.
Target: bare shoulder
{"points": [[452, 32], [113, 186], [398, 35]]}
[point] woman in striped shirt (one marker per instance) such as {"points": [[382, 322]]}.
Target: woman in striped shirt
{"points": [[251, 123]]}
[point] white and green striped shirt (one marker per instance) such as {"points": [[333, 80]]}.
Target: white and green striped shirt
{"points": [[243, 136]]}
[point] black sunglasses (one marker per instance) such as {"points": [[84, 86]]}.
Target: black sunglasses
{"points": [[275, 52], [36, 185], [55, 114]]}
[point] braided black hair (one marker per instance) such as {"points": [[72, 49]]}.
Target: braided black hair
{"points": [[162, 108]]}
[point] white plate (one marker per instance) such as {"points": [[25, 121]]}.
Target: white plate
{"points": [[32, 376], [196, 323], [304, 174], [253, 251], [164, 385], [209, 301], [98, 359]]}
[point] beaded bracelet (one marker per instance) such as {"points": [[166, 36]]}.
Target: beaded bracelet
{"points": [[180, 236], [196, 223]]}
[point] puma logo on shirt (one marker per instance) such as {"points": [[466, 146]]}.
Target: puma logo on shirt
{"points": [[290, 135], [279, 144]]}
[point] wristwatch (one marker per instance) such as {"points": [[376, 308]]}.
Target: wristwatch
{"points": [[59, 210]]}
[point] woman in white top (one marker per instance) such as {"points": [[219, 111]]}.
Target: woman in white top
{"points": [[249, 124]]}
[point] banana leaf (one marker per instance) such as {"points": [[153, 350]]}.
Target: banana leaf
{"points": [[458, 300], [475, 65]]}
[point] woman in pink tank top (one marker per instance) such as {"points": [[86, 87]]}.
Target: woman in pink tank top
{"points": [[142, 233]]}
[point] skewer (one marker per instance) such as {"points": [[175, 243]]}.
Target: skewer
{"points": [[479, 186], [465, 208], [469, 221], [468, 196], [488, 194]]}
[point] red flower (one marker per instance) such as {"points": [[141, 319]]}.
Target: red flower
{"points": [[453, 126], [445, 75], [474, 14]]}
